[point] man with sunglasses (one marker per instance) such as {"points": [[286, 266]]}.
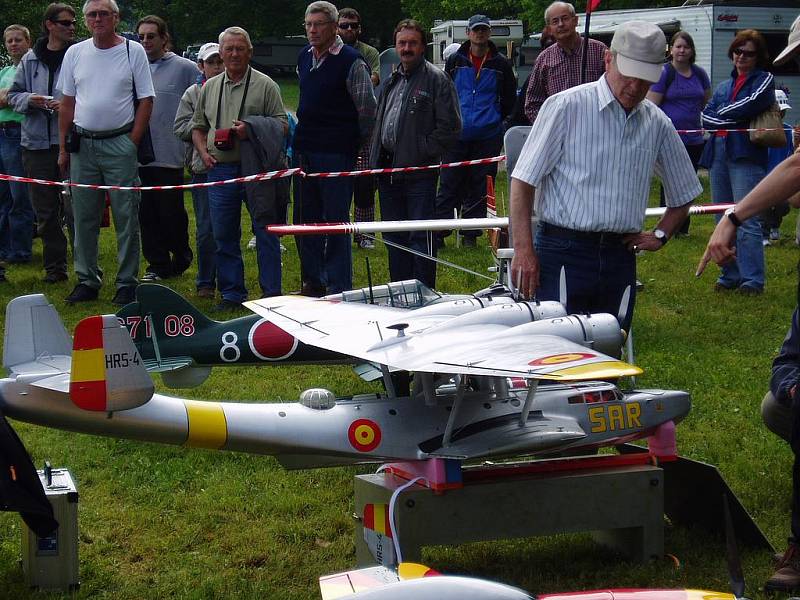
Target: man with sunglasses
{"points": [[99, 78], [162, 216], [34, 93], [363, 187]]}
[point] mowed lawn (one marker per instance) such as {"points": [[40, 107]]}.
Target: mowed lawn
{"points": [[159, 521]]}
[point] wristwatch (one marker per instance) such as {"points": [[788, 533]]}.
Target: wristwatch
{"points": [[661, 236], [733, 218]]}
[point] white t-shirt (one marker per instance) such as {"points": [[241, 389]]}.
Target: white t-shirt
{"points": [[100, 80]]}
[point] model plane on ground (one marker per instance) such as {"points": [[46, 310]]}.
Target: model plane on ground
{"points": [[177, 340], [97, 383]]}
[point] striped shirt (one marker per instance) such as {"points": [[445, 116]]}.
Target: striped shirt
{"points": [[591, 163], [557, 69]]}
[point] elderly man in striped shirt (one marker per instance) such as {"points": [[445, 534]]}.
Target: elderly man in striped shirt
{"points": [[588, 161]]}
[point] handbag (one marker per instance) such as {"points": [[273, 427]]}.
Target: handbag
{"points": [[769, 119], [145, 153]]}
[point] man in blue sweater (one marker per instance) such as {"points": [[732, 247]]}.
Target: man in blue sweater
{"points": [[335, 116]]}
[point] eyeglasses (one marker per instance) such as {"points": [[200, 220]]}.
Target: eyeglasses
{"points": [[98, 14], [745, 53], [65, 22], [316, 24], [348, 25], [148, 36], [566, 19]]}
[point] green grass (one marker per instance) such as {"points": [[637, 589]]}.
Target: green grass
{"points": [[159, 521]]}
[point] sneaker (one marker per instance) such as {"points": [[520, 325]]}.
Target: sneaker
{"points": [[206, 292], [774, 234], [252, 243], [55, 277], [81, 293], [150, 277], [125, 295], [227, 306], [765, 242], [366, 244], [787, 576]]}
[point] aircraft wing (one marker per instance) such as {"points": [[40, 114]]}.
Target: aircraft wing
{"points": [[403, 343]]}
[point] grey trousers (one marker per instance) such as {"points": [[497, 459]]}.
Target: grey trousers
{"points": [[110, 161]]}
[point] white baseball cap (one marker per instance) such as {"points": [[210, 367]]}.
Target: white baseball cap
{"points": [[783, 100], [450, 50], [207, 50], [640, 48], [792, 46]]}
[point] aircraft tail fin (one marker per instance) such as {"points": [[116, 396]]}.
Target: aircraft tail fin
{"points": [[107, 373], [33, 330], [164, 308]]}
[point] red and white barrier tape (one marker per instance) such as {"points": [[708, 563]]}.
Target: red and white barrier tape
{"points": [[742, 130], [252, 178]]}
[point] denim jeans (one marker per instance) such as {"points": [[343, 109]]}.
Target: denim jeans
{"points": [[204, 236], [732, 180], [596, 275], [225, 203], [16, 214], [409, 198], [326, 260], [465, 187]]}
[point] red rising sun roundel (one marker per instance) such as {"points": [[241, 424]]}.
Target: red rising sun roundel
{"points": [[270, 342], [557, 359], [364, 435]]}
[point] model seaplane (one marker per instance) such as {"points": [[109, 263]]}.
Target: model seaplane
{"points": [[464, 401]]}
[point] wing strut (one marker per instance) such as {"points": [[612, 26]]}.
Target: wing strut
{"points": [[451, 421], [526, 408], [156, 349]]}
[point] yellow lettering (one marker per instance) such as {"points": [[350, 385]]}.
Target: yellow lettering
{"points": [[616, 417], [598, 419], [634, 411]]}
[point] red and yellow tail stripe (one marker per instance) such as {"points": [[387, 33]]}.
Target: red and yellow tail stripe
{"points": [[87, 386], [376, 518]]}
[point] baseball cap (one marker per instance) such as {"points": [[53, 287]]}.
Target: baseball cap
{"points": [[207, 50], [783, 100], [450, 50], [640, 48], [792, 46], [478, 21]]}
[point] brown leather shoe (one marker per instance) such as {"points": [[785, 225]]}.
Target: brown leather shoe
{"points": [[312, 290], [787, 576]]}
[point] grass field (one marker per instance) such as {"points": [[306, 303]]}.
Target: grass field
{"points": [[160, 522]]}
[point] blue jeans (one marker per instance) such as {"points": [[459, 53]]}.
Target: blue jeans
{"points": [[326, 260], [225, 203], [204, 236], [732, 180], [409, 198], [596, 275], [16, 213]]}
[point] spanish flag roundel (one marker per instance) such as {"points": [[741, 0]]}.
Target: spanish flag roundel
{"points": [[364, 435]]}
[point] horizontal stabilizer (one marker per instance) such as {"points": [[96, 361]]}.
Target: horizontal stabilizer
{"points": [[107, 372]]}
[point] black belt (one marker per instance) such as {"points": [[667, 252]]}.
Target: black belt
{"points": [[104, 135], [597, 237], [10, 125]]}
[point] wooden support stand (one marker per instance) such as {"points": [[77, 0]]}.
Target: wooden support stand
{"points": [[623, 506]]}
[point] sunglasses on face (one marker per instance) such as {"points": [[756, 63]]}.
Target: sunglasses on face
{"points": [[98, 14], [65, 22], [349, 25], [745, 53]]}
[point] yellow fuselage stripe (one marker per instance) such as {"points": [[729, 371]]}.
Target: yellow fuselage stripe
{"points": [[88, 365], [207, 425]]}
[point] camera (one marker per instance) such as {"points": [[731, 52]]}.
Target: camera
{"points": [[224, 139]]}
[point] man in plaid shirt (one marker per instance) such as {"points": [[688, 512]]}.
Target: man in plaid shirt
{"points": [[558, 67]]}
